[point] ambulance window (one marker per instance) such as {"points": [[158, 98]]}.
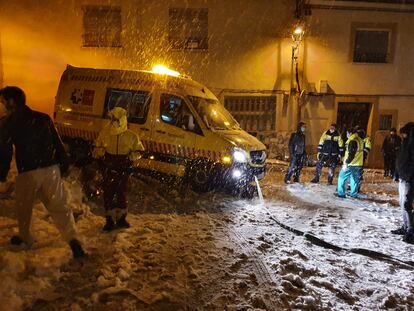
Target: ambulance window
{"points": [[174, 111], [138, 109], [136, 103]]}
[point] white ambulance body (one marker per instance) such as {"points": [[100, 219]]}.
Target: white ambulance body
{"points": [[186, 131]]}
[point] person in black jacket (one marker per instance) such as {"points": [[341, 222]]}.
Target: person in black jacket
{"points": [[40, 160], [405, 168], [297, 153], [330, 150], [390, 148]]}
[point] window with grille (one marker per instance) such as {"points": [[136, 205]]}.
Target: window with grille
{"points": [[188, 28], [254, 113], [385, 122], [371, 46], [102, 26], [136, 103]]}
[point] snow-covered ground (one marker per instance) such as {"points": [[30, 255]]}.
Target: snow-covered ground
{"points": [[215, 252]]}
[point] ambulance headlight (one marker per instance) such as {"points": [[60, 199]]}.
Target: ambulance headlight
{"points": [[237, 174], [239, 156]]}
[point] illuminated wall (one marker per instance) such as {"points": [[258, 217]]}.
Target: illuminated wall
{"points": [[249, 51], [40, 37], [328, 56]]}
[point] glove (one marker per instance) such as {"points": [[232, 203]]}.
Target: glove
{"points": [[319, 156], [345, 167]]}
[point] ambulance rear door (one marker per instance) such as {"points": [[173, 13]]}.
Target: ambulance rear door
{"points": [[138, 103]]}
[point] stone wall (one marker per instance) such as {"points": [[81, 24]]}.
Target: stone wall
{"points": [[277, 145]]}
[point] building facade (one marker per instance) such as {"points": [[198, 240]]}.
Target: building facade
{"points": [[352, 64]]}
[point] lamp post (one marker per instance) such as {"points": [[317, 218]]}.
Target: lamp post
{"points": [[297, 37], [295, 91]]}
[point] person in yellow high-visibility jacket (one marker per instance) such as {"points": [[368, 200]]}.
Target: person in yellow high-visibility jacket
{"points": [[119, 148], [366, 150], [352, 165]]}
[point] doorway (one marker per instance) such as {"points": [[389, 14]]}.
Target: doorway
{"points": [[352, 114]]}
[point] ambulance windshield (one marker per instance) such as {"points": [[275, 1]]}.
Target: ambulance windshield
{"points": [[213, 114]]}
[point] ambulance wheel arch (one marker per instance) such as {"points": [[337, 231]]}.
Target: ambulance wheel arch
{"points": [[200, 174]]}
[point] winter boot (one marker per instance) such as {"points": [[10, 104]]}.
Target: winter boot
{"points": [[110, 225], [287, 180], [315, 180], [330, 183], [399, 231], [122, 222], [295, 179], [16, 240], [77, 249]]}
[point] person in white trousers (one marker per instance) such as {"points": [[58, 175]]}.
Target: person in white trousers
{"points": [[40, 160]]}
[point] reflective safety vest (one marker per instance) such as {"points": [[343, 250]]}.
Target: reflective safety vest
{"points": [[331, 143], [367, 144], [358, 159], [116, 139]]}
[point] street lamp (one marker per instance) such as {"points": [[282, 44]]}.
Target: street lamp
{"points": [[297, 36]]}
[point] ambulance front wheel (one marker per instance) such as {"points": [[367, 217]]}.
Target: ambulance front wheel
{"points": [[199, 175]]}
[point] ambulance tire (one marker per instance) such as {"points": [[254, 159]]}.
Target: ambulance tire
{"points": [[248, 192], [242, 190], [200, 175]]}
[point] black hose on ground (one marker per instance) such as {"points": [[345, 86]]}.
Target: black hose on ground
{"points": [[359, 251]]}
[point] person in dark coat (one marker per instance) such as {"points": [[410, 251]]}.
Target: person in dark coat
{"points": [[330, 150], [297, 153], [389, 149], [41, 160], [405, 168]]}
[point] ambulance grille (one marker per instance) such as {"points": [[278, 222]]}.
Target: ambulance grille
{"points": [[258, 156]]}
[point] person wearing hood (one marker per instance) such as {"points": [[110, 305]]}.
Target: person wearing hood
{"points": [[352, 165], [119, 148], [389, 149], [330, 150], [405, 168], [41, 161], [297, 152]]}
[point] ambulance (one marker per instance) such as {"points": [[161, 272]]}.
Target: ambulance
{"points": [[187, 133]]}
